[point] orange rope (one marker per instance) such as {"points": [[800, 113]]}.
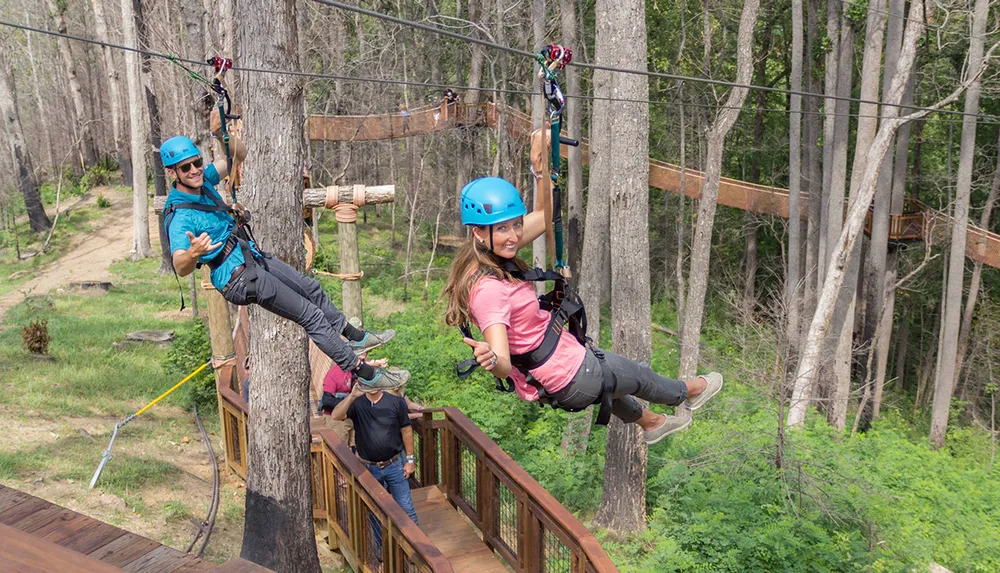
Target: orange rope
{"points": [[346, 212]]}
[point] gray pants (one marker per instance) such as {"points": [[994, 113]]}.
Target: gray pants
{"points": [[634, 379], [288, 294]]}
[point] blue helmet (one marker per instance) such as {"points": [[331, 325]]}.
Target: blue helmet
{"points": [[490, 200], [177, 149]]}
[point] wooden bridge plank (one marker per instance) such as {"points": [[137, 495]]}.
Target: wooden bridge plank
{"points": [[163, 559], [237, 565], [22, 510], [21, 552], [454, 537], [39, 519], [91, 537], [124, 550], [9, 497]]}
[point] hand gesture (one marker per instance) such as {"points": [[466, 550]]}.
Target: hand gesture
{"points": [[483, 354], [408, 469], [201, 245], [357, 390], [381, 362]]}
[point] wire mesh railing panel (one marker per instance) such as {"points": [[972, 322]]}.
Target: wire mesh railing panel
{"points": [[505, 512], [234, 438], [318, 491], [556, 557], [340, 499], [468, 471], [417, 458], [371, 552]]}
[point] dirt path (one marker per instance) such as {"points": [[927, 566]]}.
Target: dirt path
{"points": [[91, 253]]}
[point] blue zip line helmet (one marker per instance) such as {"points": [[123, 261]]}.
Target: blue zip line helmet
{"points": [[490, 200], [177, 149]]}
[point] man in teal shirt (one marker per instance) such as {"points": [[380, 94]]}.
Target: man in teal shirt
{"points": [[202, 230]]}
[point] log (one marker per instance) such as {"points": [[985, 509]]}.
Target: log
{"points": [[359, 195]]}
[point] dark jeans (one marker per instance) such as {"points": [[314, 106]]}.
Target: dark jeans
{"points": [[288, 294], [391, 478], [634, 379]]}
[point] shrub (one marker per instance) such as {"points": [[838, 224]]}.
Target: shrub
{"points": [[36, 337], [102, 201], [190, 349]]}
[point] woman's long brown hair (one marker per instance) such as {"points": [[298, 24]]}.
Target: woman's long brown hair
{"points": [[472, 263]]}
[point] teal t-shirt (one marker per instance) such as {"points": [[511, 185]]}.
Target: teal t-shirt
{"points": [[218, 225]]}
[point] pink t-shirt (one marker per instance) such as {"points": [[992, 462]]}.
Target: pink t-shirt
{"points": [[515, 305], [337, 381]]}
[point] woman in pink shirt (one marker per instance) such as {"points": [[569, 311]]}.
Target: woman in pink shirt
{"points": [[483, 289]]}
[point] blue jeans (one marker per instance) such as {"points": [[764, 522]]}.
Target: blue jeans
{"points": [[391, 478]]}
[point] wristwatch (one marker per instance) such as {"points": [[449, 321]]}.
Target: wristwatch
{"points": [[411, 459]]}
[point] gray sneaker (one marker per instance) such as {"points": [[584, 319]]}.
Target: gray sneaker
{"points": [[714, 380], [671, 425], [372, 339], [385, 379]]}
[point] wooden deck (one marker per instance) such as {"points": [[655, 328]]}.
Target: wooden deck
{"points": [[452, 533], [38, 536]]}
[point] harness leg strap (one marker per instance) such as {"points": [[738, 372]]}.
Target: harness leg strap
{"points": [[610, 384]]}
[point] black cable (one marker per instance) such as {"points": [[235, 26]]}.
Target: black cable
{"points": [[665, 75], [387, 81]]}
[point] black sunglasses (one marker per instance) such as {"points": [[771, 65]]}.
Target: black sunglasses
{"points": [[187, 166]]}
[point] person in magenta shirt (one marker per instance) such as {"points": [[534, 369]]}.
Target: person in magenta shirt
{"points": [[482, 289]]}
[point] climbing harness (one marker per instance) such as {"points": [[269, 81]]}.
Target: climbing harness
{"points": [[241, 236], [564, 306], [106, 454], [225, 107]]}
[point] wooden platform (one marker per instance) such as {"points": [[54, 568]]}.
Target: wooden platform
{"points": [[38, 536], [453, 535]]}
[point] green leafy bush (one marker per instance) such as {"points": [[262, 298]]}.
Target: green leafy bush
{"points": [[190, 349], [102, 201]]}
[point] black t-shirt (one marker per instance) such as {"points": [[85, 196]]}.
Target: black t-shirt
{"points": [[377, 427]]}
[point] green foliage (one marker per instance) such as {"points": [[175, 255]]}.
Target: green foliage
{"points": [[100, 174], [857, 11], [102, 201], [190, 349]]}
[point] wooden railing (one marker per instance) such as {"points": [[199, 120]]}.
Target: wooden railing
{"points": [[516, 516], [349, 504]]}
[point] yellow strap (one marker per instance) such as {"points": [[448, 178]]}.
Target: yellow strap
{"points": [[176, 386]]}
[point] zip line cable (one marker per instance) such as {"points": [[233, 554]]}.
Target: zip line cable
{"points": [[665, 75], [387, 81]]}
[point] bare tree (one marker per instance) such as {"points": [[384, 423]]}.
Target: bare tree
{"points": [[139, 133], [57, 10], [808, 368], [278, 475], [623, 145], [700, 249], [947, 357], [793, 291], [573, 117], [27, 182], [114, 89]]}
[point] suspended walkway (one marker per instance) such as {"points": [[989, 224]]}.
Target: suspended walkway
{"points": [[479, 511], [918, 222]]}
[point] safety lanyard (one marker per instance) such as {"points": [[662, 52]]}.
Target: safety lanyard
{"points": [[554, 57]]}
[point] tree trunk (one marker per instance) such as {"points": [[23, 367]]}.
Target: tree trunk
{"points": [[577, 431], [278, 530], [114, 88], [57, 9], [793, 291], [700, 249], [573, 118], [832, 59], [839, 341], [977, 274], [27, 182], [880, 285], [867, 126], [538, 115], [813, 169], [808, 368], [36, 88], [621, 42], [193, 15], [947, 358], [138, 131]]}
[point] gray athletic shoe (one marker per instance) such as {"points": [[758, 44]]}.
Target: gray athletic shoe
{"points": [[372, 339], [385, 379], [673, 424], [714, 380]]}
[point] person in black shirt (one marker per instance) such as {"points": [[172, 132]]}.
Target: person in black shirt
{"points": [[382, 433]]}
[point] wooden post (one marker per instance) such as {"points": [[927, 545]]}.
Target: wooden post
{"points": [[220, 331], [350, 262]]}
